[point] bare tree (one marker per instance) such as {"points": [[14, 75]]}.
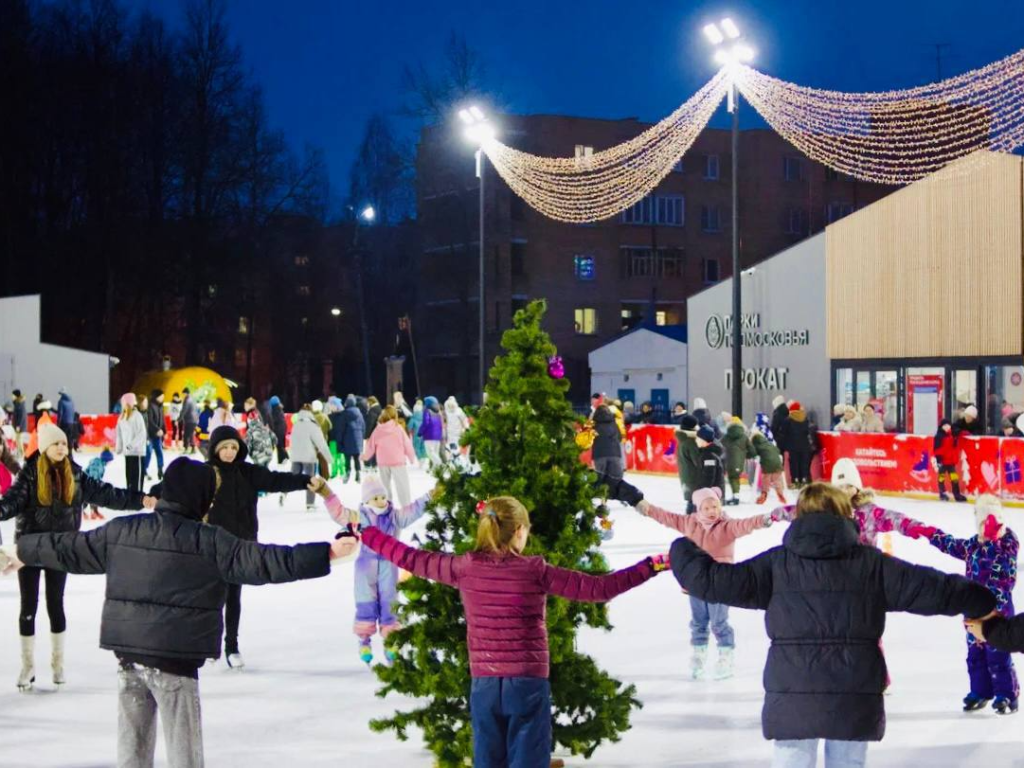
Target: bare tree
{"points": [[432, 95]]}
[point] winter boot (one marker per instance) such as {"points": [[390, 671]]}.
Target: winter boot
{"points": [[723, 665], [762, 497], [57, 657], [235, 660], [1004, 706], [956, 492], [974, 702], [365, 652], [943, 496], [698, 660], [734, 501], [28, 663]]}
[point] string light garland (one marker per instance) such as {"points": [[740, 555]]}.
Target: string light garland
{"points": [[890, 137]]}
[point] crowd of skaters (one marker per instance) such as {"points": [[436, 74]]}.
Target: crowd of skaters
{"points": [[205, 528]]}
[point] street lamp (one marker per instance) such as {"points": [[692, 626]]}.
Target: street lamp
{"points": [[731, 52], [367, 214], [479, 131], [335, 311]]}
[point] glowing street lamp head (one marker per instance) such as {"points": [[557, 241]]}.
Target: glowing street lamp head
{"points": [[713, 34], [742, 54], [335, 311], [477, 113], [368, 213], [465, 116], [730, 29]]}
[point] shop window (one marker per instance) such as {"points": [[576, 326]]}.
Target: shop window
{"points": [[1004, 396], [965, 391], [844, 386], [583, 266], [586, 321], [711, 167]]}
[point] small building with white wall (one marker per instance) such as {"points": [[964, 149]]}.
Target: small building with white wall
{"points": [[646, 363], [28, 364]]}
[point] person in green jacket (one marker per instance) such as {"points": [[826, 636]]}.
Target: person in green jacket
{"points": [[770, 458], [688, 462], [737, 449]]}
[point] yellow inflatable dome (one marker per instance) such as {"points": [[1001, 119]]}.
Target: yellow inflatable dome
{"points": [[203, 383]]}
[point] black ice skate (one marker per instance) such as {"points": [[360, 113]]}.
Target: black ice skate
{"points": [[973, 702], [1004, 706]]}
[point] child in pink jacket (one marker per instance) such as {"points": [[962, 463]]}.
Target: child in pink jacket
{"points": [[390, 443], [715, 532]]}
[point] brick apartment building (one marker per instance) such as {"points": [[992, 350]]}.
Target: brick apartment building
{"points": [[599, 279]]}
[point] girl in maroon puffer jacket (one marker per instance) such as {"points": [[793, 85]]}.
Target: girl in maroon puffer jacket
{"points": [[505, 597]]}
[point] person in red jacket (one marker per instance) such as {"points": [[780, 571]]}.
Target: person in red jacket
{"points": [[946, 447], [505, 598]]}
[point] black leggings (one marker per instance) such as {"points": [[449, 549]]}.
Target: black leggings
{"points": [[800, 466], [351, 460], [28, 582], [232, 618], [133, 472]]}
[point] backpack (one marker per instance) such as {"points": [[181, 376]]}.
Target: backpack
{"points": [[260, 441]]}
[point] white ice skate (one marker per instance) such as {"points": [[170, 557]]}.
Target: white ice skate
{"points": [[57, 657], [28, 663], [698, 660], [723, 664], [235, 661]]}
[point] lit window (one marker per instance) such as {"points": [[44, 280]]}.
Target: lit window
{"points": [[583, 267], [659, 318], [586, 321], [303, 290], [243, 324], [582, 150]]}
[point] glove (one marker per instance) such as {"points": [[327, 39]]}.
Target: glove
{"points": [[628, 494], [659, 563], [991, 528], [919, 530]]}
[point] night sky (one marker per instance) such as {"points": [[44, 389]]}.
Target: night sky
{"points": [[327, 65]]}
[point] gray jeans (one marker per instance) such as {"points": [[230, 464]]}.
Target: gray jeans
{"points": [[142, 692]]}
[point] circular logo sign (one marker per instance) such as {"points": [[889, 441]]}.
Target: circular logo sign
{"points": [[714, 332], [1015, 379]]}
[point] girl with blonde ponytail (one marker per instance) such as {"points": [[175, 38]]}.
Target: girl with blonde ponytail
{"points": [[504, 594]]}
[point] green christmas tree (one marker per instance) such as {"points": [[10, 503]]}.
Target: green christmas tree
{"points": [[523, 440]]}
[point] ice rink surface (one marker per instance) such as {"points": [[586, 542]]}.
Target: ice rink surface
{"points": [[305, 698]]}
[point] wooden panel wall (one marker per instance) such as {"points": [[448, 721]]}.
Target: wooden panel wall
{"points": [[933, 270]]}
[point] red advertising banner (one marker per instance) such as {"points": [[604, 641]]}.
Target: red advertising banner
{"points": [[651, 448]]}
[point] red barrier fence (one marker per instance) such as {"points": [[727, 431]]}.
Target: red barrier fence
{"points": [[887, 462]]}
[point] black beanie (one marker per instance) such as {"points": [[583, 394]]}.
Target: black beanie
{"points": [[188, 488], [688, 423]]}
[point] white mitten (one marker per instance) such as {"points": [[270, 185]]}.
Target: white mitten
{"points": [[9, 561]]}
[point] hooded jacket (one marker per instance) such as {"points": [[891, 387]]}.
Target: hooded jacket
{"points": [[767, 454], [234, 506], [432, 428], [826, 598], [946, 446], [308, 443], [607, 438], [798, 433], [737, 448], [390, 444], [780, 422], [347, 432]]}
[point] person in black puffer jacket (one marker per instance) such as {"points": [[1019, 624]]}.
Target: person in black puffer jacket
{"points": [[607, 448], [780, 421], [798, 443], [164, 626], [712, 474], [826, 598], [234, 509], [48, 495]]}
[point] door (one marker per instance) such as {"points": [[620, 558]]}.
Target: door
{"points": [[659, 399], [628, 396]]}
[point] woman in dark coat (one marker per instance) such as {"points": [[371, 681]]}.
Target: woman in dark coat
{"points": [[349, 437], [279, 426], [48, 497], [234, 509], [826, 598]]}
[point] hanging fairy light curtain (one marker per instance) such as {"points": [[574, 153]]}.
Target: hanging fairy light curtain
{"points": [[896, 137], [598, 186]]}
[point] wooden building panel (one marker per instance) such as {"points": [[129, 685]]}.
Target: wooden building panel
{"points": [[933, 270]]}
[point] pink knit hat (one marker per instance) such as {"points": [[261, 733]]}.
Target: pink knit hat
{"points": [[702, 495], [372, 486], [128, 399]]}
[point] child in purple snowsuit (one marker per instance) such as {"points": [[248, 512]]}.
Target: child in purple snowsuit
{"points": [[376, 582], [432, 430], [991, 559]]}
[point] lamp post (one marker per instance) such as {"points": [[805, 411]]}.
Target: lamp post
{"points": [[731, 52], [367, 215], [479, 131]]}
